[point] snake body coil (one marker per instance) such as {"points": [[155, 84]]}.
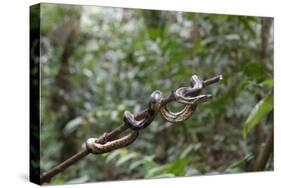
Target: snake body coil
{"points": [[188, 96], [183, 95], [176, 117], [154, 104], [111, 145]]}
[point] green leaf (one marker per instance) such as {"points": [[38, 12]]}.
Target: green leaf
{"points": [[257, 114], [268, 83], [241, 163], [186, 151], [143, 161], [136, 164], [177, 167], [57, 182], [254, 70], [126, 158], [72, 125], [156, 171], [112, 155]]}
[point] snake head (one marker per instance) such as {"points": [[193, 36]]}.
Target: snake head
{"points": [[196, 82], [155, 101], [193, 90], [190, 95]]}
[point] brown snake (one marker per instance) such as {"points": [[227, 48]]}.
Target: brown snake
{"points": [[184, 95], [98, 148], [189, 96], [154, 105]]}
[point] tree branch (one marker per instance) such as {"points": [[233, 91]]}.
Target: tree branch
{"points": [[46, 176]]}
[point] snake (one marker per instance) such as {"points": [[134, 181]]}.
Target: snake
{"points": [[189, 96], [186, 112], [135, 125], [98, 148], [197, 85], [183, 95], [186, 96], [153, 106]]}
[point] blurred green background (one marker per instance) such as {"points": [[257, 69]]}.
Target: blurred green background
{"points": [[97, 62]]}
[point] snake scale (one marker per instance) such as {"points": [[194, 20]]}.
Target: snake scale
{"points": [[188, 96], [98, 148]]}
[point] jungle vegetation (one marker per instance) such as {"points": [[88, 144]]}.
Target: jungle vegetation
{"points": [[97, 62]]}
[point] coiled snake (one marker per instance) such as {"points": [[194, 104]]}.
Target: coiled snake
{"points": [[188, 96]]}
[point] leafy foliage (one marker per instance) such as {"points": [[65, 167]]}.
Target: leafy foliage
{"points": [[259, 111], [97, 62]]}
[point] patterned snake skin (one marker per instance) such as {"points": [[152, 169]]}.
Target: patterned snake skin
{"points": [[189, 96]]}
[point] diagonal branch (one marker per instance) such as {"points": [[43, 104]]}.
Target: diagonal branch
{"points": [[106, 137]]}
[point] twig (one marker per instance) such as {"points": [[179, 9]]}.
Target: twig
{"points": [[46, 176]]}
